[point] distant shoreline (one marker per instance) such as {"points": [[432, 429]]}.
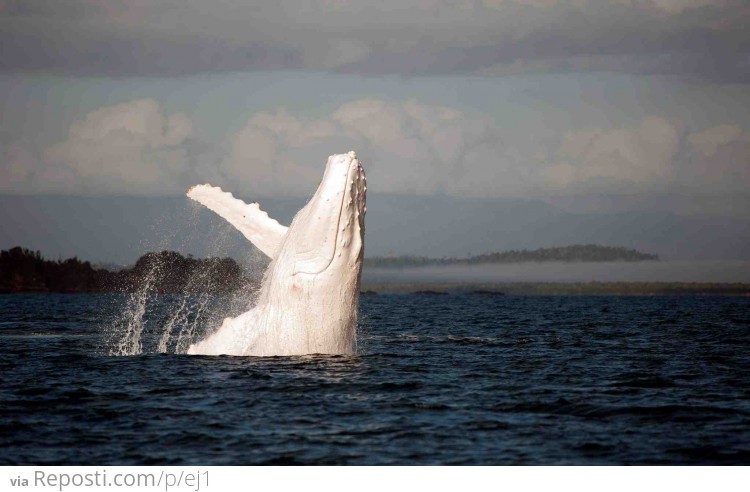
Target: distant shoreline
{"points": [[27, 272], [576, 253], [623, 289]]}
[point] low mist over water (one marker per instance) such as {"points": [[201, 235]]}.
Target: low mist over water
{"points": [[647, 271]]}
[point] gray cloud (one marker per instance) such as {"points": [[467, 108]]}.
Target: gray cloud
{"points": [[415, 148], [643, 155], [704, 38], [720, 158], [408, 147], [131, 147]]}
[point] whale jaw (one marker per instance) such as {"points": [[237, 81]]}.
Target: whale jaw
{"points": [[324, 229], [308, 300]]}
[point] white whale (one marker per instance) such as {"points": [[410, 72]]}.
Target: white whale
{"points": [[308, 300]]}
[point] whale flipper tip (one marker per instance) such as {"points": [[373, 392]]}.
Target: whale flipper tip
{"points": [[195, 187]]}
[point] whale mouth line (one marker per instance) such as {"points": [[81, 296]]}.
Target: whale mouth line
{"points": [[340, 212], [335, 237]]}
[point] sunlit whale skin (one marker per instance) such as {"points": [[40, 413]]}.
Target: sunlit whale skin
{"points": [[308, 300]]}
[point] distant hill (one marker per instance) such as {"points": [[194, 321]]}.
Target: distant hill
{"points": [[574, 253], [23, 270], [168, 272]]}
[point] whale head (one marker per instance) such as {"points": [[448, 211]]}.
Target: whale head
{"points": [[310, 292], [326, 237]]}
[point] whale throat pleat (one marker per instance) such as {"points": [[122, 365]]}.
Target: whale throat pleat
{"points": [[255, 224]]}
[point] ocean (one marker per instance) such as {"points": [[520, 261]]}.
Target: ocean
{"points": [[437, 379]]}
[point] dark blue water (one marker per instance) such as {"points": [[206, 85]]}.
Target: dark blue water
{"points": [[438, 380]]}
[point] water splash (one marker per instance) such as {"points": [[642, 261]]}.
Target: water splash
{"points": [[184, 321], [150, 321], [308, 298], [130, 323]]}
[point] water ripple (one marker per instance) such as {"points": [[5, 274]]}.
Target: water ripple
{"points": [[448, 380]]}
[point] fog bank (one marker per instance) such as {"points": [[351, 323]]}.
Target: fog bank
{"points": [[647, 271]]}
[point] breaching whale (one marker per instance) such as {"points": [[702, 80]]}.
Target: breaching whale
{"points": [[308, 300]]}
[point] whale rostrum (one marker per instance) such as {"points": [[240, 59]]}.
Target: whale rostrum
{"points": [[307, 303]]}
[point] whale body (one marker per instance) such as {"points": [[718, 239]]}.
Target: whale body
{"points": [[308, 300]]}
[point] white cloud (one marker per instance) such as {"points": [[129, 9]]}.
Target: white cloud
{"points": [[416, 148], [642, 155], [22, 171], [128, 148], [709, 141], [720, 158], [408, 147]]}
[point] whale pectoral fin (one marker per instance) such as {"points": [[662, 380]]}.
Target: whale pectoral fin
{"points": [[255, 224]]}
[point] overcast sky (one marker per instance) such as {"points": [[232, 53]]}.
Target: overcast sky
{"points": [[588, 105]]}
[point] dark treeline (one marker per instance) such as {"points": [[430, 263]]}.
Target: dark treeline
{"points": [[574, 253], [22, 270]]}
